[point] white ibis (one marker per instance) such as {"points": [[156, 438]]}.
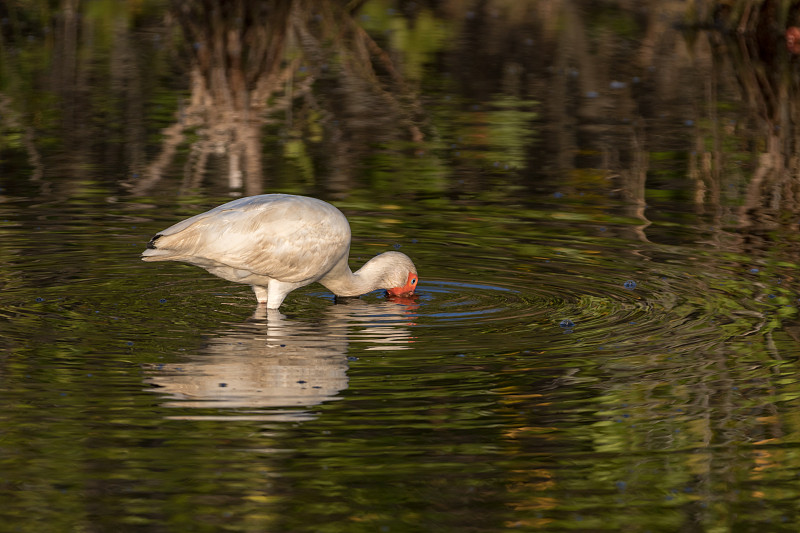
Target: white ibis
{"points": [[278, 243]]}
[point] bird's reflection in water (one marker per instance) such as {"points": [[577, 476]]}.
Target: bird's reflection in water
{"points": [[272, 367]]}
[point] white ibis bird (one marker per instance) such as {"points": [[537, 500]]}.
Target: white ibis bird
{"points": [[278, 243]]}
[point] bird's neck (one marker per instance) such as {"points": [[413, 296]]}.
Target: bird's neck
{"points": [[341, 281]]}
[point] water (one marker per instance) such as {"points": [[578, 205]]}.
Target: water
{"points": [[605, 332]]}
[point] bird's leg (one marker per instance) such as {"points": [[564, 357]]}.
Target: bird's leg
{"points": [[278, 291], [262, 295]]}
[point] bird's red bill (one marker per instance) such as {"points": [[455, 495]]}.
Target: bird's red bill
{"points": [[407, 289]]}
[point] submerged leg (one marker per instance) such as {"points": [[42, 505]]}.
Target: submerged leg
{"points": [[277, 292], [262, 295], [274, 293]]}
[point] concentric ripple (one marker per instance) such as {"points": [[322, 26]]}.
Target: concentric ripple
{"points": [[662, 308], [458, 301]]}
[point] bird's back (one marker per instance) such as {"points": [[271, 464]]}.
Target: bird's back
{"points": [[285, 237]]}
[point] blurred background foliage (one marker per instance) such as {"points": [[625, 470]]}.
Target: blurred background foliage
{"points": [[449, 99]]}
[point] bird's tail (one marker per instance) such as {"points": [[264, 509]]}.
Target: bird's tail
{"points": [[152, 253]]}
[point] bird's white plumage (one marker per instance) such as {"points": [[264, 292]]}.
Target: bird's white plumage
{"points": [[276, 243]]}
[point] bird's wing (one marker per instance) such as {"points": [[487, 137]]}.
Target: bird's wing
{"points": [[284, 237]]}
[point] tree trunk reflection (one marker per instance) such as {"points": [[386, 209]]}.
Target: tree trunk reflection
{"points": [[252, 60]]}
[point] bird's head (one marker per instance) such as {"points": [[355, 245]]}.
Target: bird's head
{"points": [[399, 273]]}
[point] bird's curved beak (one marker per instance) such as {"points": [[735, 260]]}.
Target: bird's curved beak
{"points": [[407, 289]]}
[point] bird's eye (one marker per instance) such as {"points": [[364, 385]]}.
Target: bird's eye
{"points": [[414, 281]]}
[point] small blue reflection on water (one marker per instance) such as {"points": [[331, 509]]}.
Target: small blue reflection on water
{"points": [[463, 313], [476, 286]]}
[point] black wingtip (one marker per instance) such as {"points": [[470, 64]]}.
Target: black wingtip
{"points": [[152, 244]]}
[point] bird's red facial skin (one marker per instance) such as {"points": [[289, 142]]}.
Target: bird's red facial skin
{"points": [[793, 39], [407, 289]]}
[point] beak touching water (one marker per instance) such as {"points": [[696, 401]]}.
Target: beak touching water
{"points": [[407, 289]]}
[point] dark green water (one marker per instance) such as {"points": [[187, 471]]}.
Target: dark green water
{"points": [[605, 334], [157, 397]]}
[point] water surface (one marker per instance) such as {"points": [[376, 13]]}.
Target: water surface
{"points": [[605, 332]]}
